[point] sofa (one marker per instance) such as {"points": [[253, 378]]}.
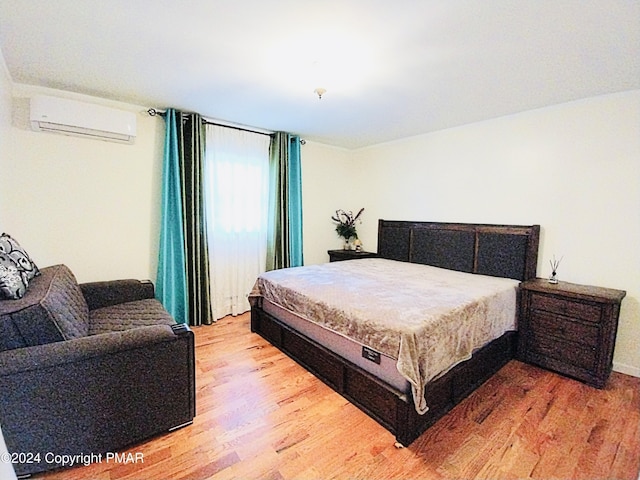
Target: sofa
{"points": [[89, 368]]}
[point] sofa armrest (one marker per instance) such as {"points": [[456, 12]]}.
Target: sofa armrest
{"points": [[113, 292], [58, 354], [96, 394]]}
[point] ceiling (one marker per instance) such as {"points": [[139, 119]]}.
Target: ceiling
{"points": [[391, 69]]}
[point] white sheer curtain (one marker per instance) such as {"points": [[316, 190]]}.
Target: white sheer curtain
{"points": [[237, 184]]}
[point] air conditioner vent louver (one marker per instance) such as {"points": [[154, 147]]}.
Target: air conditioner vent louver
{"points": [[71, 117]]}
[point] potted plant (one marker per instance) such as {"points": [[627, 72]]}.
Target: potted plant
{"points": [[346, 225]]}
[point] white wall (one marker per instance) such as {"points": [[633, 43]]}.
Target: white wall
{"points": [[5, 120], [572, 168], [90, 204], [327, 186]]}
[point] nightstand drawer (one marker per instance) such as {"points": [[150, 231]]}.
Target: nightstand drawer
{"points": [[567, 352], [569, 308], [546, 323]]}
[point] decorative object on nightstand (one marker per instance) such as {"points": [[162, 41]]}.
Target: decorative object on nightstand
{"points": [[569, 328], [553, 278], [346, 226], [339, 255]]}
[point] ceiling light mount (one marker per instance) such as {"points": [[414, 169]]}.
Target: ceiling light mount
{"points": [[320, 91]]}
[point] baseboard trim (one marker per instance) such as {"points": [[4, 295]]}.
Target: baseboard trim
{"points": [[626, 369]]}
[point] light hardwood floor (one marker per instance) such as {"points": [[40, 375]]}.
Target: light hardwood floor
{"points": [[262, 416]]}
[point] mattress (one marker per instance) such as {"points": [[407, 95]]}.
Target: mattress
{"points": [[425, 319], [366, 357]]}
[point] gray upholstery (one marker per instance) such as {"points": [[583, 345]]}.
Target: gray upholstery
{"points": [[90, 368], [52, 310], [128, 315]]}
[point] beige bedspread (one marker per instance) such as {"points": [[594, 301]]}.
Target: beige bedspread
{"points": [[428, 318]]}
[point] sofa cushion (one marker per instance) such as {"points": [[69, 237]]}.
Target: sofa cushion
{"points": [[53, 309], [16, 268], [124, 316]]}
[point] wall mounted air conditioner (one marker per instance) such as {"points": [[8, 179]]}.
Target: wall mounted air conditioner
{"points": [[70, 117]]}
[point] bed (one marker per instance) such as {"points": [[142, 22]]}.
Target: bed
{"points": [[318, 315]]}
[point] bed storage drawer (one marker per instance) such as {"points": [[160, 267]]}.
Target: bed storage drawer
{"points": [[372, 395], [469, 375], [311, 355], [374, 399], [271, 331], [315, 358]]}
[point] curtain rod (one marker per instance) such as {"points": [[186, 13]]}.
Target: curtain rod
{"points": [[153, 112]]}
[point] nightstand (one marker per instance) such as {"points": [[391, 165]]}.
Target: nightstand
{"points": [[569, 328], [339, 255]]}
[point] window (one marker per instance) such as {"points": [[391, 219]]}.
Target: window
{"points": [[237, 186]]}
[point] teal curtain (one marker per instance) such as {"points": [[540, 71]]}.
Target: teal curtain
{"points": [[190, 133], [295, 203], [171, 283], [183, 284], [284, 238]]}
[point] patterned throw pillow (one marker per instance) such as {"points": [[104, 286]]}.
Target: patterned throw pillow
{"points": [[12, 284], [16, 268]]}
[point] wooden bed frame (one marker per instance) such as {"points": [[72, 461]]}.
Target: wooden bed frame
{"points": [[498, 250]]}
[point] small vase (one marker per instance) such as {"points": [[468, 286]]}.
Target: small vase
{"points": [[346, 245], [553, 278]]}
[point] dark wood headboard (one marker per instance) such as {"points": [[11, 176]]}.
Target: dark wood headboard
{"points": [[509, 251]]}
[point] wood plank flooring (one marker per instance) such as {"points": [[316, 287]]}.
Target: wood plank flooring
{"points": [[262, 416]]}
